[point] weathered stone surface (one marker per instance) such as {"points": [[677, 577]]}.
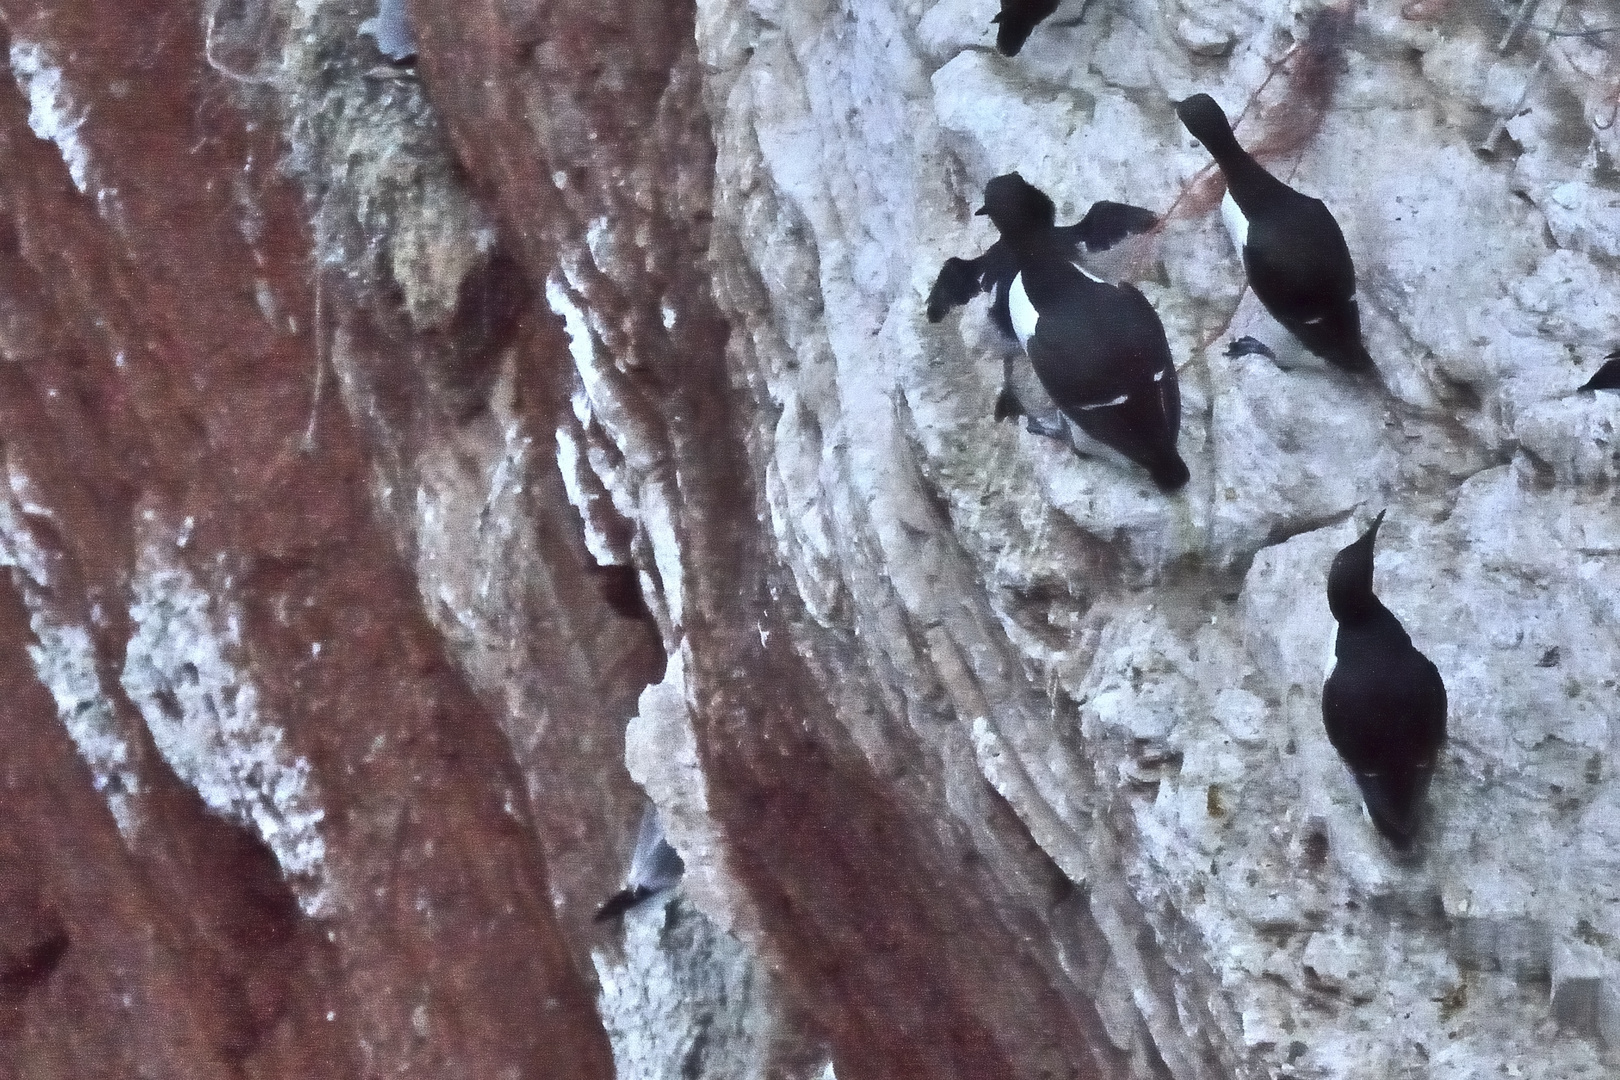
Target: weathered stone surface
{"points": [[320, 857], [1176, 766]]}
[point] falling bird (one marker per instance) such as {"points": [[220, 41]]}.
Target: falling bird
{"points": [[1383, 704], [1292, 248], [1099, 350], [655, 867], [391, 29]]}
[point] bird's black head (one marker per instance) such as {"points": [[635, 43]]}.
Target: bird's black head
{"points": [[1017, 207], [1206, 122], [1349, 585]]}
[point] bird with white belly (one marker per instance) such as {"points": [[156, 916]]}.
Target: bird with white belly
{"points": [[1098, 349], [1292, 248]]}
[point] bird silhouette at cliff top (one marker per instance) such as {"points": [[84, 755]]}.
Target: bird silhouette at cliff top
{"points": [[1606, 377], [1099, 350], [1293, 250], [1017, 20], [655, 867], [1383, 702]]}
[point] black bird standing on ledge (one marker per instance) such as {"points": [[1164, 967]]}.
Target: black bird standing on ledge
{"points": [[1099, 350], [1293, 250], [1383, 704]]}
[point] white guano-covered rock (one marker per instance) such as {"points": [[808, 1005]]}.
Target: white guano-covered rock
{"points": [[1180, 770]]}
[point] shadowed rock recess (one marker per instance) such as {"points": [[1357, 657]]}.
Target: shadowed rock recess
{"points": [[415, 466]]}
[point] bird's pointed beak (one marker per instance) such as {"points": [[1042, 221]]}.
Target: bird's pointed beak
{"points": [[981, 211], [997, 18], [1372, 530]]}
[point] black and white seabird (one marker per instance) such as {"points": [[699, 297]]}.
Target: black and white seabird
{"points": [[655, 867], [1099, 350], [960, 280], [1607, 377], [1383, 704], [1292, 249]]}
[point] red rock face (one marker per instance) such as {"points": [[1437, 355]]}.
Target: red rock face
{"points": [[889, 942], [272, 805], [153, 411]]}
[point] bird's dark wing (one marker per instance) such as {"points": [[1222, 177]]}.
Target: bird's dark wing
{"points": [[1296, 257], [1394, 801], [1158, 401], [1108, 366], [1386, 716], [1388, 723], [960, 280], [1607, 377], [1018, 18], [1300, 268], [1106, 224], [957, 283], [1430, 729]]}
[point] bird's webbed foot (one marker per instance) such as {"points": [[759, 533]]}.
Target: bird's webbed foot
{"points": [[1049, 428], [1249, 346]]}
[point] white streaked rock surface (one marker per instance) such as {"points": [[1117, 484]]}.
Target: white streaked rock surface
{"points": [[1178, 768]]}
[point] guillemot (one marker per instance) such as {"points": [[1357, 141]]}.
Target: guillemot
{"points": [[1383, 702], [960, 280], [1099, 350], [1293, 250]]}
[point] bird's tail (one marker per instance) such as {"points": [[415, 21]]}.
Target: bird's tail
{"points": [[1170, 472], [1353, 358], [1394, 800], [1336, 338], [1015, 26], [1607, 376]]}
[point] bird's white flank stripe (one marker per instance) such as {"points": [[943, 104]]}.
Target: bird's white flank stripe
{"points": [[1237, 226], [1024, 316], [1088, 273]]}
